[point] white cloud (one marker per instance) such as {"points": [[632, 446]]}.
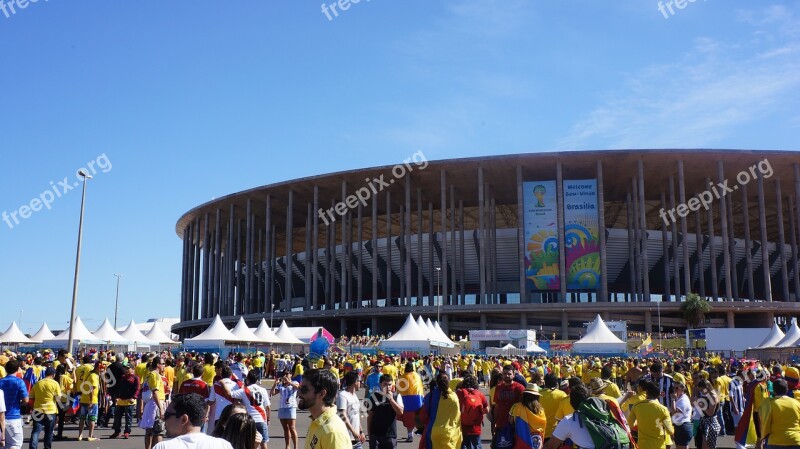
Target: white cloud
{"points": [[703, 97]]}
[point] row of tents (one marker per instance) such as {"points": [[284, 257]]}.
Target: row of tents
{"points": [[104, 335]]}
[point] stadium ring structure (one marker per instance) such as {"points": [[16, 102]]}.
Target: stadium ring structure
{"points": [[504, 242]]}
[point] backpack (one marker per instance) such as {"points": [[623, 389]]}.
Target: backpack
{"points": [[604, 429], [472, 407]]}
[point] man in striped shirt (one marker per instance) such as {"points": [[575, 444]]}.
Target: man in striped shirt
{"points": [[664, 383], [736, 390]]}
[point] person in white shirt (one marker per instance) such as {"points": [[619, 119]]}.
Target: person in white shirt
{"points": [[256, 400], [183, 417], [681, 416], [571, 426], [220, 397], [349, 407]]}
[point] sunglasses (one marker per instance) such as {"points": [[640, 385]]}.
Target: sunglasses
{"points": [[304, 389]]}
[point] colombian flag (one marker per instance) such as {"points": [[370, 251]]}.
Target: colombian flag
{"points": [[528, 427], [746, 430], [443, 428], [647, 345]]}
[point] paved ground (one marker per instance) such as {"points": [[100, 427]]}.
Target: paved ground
{"points": [[136, 440]]}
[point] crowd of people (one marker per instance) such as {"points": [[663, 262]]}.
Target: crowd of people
{"points": [[443, 402]]}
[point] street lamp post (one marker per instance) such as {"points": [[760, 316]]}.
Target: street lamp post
{"points": [[85, 177], [271, 315], [438, 285], [116, 301]]}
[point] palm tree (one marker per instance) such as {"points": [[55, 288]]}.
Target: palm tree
{"points": [[694, 309]]}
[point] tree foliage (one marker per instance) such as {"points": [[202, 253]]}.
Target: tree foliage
{"points": [[694, 309]]}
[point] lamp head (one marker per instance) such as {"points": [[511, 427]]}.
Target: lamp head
{"points": [[82, 173]]}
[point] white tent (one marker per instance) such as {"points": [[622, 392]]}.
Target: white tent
{"points": [[243, 333], [80, 334], [157, 334], [509, 346], [133, 334], [444, 336], [775, 336], [534, 348], [265, 334], [215, 334], [285, 334], [424, 328], [410, 337], [599, 340], [14, 335], [791, 337], [43, 334], [107, 333]]}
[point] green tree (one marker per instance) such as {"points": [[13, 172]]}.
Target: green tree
{"points": [[694, 309]]}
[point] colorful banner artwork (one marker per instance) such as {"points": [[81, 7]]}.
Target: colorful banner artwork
{"points": [[541, 235], [582, 240]]}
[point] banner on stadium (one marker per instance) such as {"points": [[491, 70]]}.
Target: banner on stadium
{"points": [[541, 235], [581, 234]]}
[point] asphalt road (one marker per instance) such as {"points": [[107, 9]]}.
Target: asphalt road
{"points": [[136, 440]]}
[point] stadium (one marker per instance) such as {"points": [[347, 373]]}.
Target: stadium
{"points": [[504, 242]]}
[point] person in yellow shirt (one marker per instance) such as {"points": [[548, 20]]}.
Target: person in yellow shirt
{"points": [[66, 381], [182, 374], [44, 395], [651, 418], [317, 394], [551, 398], [780, 423], [297, 371], [153, 396], [88, 385], [391, 370]]}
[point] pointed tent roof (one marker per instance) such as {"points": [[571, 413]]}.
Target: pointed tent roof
{"points": [[509, 346], [424, 328], [285, 334], [156, 333], [243, 333], [775, 335], [791, 337], [80, 333], [42, 334], [132, 333], [441, 332], [14, 335], [107, 333], [410, 331], [598, 332], [265, 334], [535, 348], [432, 330], [216, 331]]}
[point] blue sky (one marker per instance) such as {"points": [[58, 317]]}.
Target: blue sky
{"points": [[191, 100]]}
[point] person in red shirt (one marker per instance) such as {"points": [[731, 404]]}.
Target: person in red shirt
{"points": [[506, 394], [195, 384], [473, 408]]}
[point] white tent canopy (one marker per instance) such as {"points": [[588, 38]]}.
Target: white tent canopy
{"points": [[133, 334], [243, 333], [410, 337], [285, 334], [791, 337], [509, 346], [157, 334], [424, 328], [80, 333], [43, 334], [215, 334], [265, 334], [775, 335], [14, 335], [107, 333], [599, 340], [533, 347], [444, 336]]}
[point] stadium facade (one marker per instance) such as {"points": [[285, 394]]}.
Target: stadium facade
{"points": [[543, 241]]}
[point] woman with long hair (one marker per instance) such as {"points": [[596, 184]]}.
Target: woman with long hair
{"points": [[225, 415], [707, 405], [529, 419], [240, 431], [441, 415], [681, 416]]}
